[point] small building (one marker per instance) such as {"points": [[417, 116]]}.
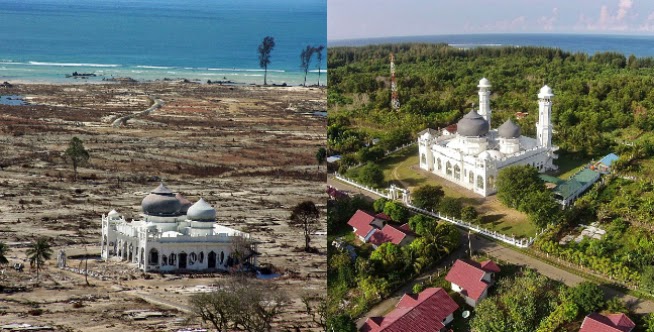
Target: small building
{"points": [[604, 165], [449, 130], [430, 311], [364, 224], [472, 279], [398, 235], [607, 323], [567, 191]]}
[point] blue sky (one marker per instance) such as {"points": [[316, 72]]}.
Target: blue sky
{"points": [[351, 19]]}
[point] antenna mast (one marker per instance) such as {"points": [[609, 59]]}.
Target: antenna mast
{"points": [[395, 101]]}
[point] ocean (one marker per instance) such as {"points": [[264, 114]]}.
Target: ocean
{"points": [[43, 40], [638, 45]]}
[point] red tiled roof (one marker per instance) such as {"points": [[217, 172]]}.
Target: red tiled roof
{"points": [[451, 128], [489, 266], [468, 274], [609, 323], [423, 312], [361, 221], [390, 233], [383, 216]]}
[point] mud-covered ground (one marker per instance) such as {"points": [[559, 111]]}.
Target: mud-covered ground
{"points": [[249, 151]]}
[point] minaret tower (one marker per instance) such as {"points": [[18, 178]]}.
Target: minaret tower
{"points": [[544, 125], [395, 101], [484, 100]]}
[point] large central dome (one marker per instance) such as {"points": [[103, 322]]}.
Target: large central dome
{"points": [[472, 125], [161, 202]]}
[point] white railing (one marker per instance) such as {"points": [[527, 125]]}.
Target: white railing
{"points": [[360, 186], [518, 242], [399, 148]]}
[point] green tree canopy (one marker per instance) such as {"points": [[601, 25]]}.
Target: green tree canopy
{"points": [[76, 154], [38, 252], [427, 197], [264, 50]]}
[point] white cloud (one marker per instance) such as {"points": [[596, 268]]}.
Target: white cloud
{"points": [[607, 20], [547, 22]]}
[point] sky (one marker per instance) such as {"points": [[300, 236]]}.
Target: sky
{"points": [[353, 19]]}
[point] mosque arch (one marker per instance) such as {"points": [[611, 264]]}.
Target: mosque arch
{"points": [[490, 182], [173, 259], [211, 260], [457, 172], [438, 162], [448, 168], [192, 258], [129, 253], [423, 159], [201, 257], [480, 182], [183, 259], [222, 257], [154, 257], [471, 177], [164, 260]]}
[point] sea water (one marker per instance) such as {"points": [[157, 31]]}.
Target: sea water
{"points": [[639, 45], [43, 40]]}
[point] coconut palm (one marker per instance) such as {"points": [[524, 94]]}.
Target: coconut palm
{"points": [[4, 249], [38, 253]]}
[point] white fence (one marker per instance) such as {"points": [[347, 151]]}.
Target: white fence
{"points": [[399, 148], [518, 242], [360, 186]]}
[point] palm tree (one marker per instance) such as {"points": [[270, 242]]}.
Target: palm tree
{"points": [[38, 253], [4, 249], [318, 50]]}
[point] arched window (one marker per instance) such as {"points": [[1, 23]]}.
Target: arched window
{"points": [[423, 159], [201, 257], [457, 172], [173, 259], [154, 257], [164, 260], [480, 182], [192, 258], [471, 177], [438, 163], [222, 257], [491, 182], [448, 168]]}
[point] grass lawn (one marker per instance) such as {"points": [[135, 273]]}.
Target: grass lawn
{"points": [[402, 169], [569, 165]]}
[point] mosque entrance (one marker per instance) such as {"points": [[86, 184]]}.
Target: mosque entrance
{"points": [[211, 260], [182, 260]]}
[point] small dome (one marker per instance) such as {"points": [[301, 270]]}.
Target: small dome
{"points": [[185, 203], [490, 155], [472, 124], [113, 213], [484, 83], [161, 202], [201, 211], [509, 130], [545, 92]]}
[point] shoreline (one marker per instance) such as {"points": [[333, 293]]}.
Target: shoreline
{"points": [[138, 82]]}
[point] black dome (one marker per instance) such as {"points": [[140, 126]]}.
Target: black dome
{"points": [[509, 130], [472, 124], [161, 202]]}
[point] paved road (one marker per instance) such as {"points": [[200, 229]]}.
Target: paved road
{"points": [[508, 255]]}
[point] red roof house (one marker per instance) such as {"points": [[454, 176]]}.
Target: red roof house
{"points": [[399, 235], [609, 323], [366, 223], [429, 311], [472, 279]]}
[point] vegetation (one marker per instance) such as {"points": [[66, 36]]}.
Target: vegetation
{"points": [[239, 304], [38, 253], [305, 215], [520, 187], [531, 302], [369, 174], [76, 154], [321, 156], [340, 210], [264, 50], [305, 61], [427, 197], [318, 50], [4, 250]]}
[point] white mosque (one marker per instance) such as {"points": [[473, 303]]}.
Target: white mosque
{"points": [[473, 156], [173, 235]]}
